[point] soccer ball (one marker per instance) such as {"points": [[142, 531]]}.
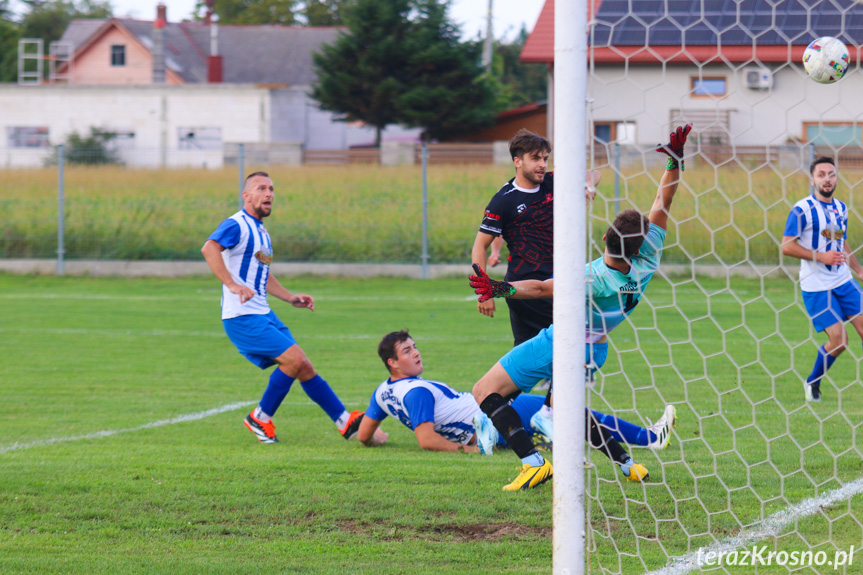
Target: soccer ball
{"points": [[826, 60]]}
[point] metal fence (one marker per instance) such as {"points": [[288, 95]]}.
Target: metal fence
{"points": [[120, 209], [122, 221], [231, 154]]}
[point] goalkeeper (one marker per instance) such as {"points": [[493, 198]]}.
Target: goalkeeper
{"points": [[633, 244]]}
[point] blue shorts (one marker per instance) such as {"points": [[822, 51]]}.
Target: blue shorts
{"points": [[531, 361], [832, 306], [261, 338]]}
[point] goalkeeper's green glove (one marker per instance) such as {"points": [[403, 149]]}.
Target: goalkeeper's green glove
{"points": [[488, 288]]}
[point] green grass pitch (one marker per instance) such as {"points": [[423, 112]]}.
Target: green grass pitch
{"points": [[83, 355]]}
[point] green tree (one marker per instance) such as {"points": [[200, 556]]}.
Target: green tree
{"points": [[10, 33], [519, 83], [402, 62], [49, 19], [281, 12], [361, 74], [447, 92], [89, 150], [323, 12]]}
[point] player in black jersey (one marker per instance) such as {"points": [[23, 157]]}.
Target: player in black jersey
{"points": [[522, 212]]}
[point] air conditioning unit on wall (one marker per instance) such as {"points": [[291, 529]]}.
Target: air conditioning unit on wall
{"points": [[758, 78]]}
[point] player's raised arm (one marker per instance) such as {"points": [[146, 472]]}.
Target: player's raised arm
{"points": [[671, 178], [488, 288]]}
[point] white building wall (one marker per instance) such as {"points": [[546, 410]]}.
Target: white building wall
{"points": [[230, 113], [155, 114], [646, 95]]}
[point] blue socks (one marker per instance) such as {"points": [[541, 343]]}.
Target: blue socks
{"points": [[321, 393], [622, 430], [316, 388], [823, 362], [277, 389]]}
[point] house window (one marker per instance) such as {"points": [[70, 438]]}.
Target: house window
{"points": [[118, 55], [619, 132], [198, 138], [27, 137], [706, 87], [603, 132], [835, 135]]}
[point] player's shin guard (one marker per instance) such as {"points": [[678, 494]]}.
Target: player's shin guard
{"points": [[601, 440], [506, 420], [277, 389], [321, 393]]}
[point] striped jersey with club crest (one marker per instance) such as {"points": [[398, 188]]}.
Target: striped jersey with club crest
{"points": [[248, 254], [821, 227], [414, 400]]}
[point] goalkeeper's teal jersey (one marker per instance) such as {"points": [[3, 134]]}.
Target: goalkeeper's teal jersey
{"points": [[613, 295]]}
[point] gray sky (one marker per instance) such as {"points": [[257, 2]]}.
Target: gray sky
{"points": [[507, 17]]}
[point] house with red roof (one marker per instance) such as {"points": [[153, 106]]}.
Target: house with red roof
{"points": [[182, 94], [733, 68]]}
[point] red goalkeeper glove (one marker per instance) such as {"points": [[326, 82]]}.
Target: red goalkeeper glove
{"points": [[674, 148], [488, 288]]}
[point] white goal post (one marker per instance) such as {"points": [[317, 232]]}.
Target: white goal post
{"points": [[758, 478], [570, 128]]}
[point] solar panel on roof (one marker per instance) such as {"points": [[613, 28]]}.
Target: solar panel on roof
{"points": [[731, 22]]}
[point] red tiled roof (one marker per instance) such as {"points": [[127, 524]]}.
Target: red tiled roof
{"points": [[539, 46]]}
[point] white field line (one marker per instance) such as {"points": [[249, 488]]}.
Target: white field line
{"points": [[110, 432], [770, 527]]}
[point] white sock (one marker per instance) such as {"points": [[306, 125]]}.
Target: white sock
{"points": [[261, 416], [545, 411], [342, 421]]}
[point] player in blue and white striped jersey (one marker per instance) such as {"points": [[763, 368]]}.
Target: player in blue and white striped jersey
{"points": [[444, 419], [239, 253], [816, 232]]}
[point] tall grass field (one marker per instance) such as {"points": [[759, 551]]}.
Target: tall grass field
{"points": [[122, 448], [727, 214]]}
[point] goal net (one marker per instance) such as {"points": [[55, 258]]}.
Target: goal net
{"points": [[757, 479]]}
